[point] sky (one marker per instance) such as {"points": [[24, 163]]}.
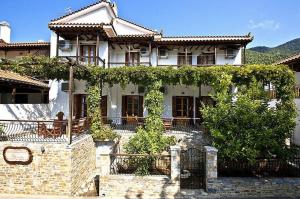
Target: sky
{"points": [[272, 22]]}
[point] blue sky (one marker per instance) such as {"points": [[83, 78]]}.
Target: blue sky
{"points": [[272, 22]]}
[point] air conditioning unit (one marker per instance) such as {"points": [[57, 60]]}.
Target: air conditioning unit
{"points": [[163, 53], [65, 45], [65, 86], [229, 53], [144, 52]]}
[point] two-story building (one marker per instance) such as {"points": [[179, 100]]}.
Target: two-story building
{"points": [[96, 35]]}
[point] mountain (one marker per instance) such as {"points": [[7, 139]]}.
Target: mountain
{"points": [[266, 55]]}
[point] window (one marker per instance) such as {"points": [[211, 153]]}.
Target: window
{"points": [[132, 58], [206, 59], [229, 53], [132, 105], [21, 98], [163, 53], [181, 106], [88, 54], [182, 59]]}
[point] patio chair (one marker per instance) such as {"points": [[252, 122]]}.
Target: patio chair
{"points": [[167, 123], [131, 120], [42, 130], [54, 133], [79, 126]]}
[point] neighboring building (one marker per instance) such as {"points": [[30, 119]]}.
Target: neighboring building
{"points": [[96, 34], [294, 64], [9, 50], [21, 97]]}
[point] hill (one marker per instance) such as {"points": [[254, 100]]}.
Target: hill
{"points": [[266, 55]]}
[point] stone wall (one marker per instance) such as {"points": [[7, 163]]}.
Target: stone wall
{"points": [[56, 169], [131, 186], [83, 163], [255, 186]]}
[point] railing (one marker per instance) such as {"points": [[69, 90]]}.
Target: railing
{"points": [[172, 125], [132, 163], [260, 168], [40, 131], [93, 60], [119, 64]]}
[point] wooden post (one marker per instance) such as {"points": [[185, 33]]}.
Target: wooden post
{"points": [[57, 44], [215, 55], [244, 58], [14, 92], [129, 57], [156, 55], [77, 49], [97, 50], [186, 56], [150, 51], [70, 120], [108, 56]]}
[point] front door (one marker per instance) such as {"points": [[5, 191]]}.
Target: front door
{"points": [[132, 107], [80, 106], [182, 108]]}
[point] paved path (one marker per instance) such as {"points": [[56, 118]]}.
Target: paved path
{"points": [[187, 197]]}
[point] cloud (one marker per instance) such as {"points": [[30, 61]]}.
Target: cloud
{"points": [[264, 24]]}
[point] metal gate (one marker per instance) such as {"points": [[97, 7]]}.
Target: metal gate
{"points": [[192, 163]]}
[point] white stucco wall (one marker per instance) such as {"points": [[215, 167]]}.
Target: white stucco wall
{"points": [[25, 112], [100, 15]]}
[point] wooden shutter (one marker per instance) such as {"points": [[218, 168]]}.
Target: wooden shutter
{"points": [[77, 106], [141, 106], [124, 105], [104, 106], [174, 106], [197, 107], [191, 107]]}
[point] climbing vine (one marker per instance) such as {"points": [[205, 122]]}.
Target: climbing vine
{"points": [[221, 78]]}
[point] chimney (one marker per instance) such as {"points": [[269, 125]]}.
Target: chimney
{"points": [[5, 31]]}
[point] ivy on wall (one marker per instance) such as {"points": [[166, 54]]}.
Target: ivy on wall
{"points": [[221, 78]]}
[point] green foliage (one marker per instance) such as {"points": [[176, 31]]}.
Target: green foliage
{"points": [[150, 139], [253, 57], [247, 128], [98, 130]]}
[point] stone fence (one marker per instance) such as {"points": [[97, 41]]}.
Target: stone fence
{"points": [[246, 185], [131, 186], [46, 168]]}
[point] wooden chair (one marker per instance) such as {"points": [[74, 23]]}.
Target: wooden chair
{"points": [[54, 133], [42, 129], [131, 120], [79, 127], [167, 123]]}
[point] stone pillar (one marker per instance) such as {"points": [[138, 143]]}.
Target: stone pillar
{"points": [[211, 167], [175, 163], [103, 152]]}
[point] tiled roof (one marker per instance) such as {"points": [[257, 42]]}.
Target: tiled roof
{"points": [[245, 38], [289, 59], [76, 25], [14, 77], [24, 44], [86, 7]]}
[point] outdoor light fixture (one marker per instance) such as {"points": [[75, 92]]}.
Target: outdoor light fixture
{"points": [[43, 149]]}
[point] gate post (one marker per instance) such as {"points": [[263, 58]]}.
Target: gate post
{"points": [[175, 163], [211, 167]]}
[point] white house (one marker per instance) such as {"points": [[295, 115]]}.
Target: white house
{"points": [[96, 34]]}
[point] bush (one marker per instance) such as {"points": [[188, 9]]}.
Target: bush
{"points": [[244, 126]]}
